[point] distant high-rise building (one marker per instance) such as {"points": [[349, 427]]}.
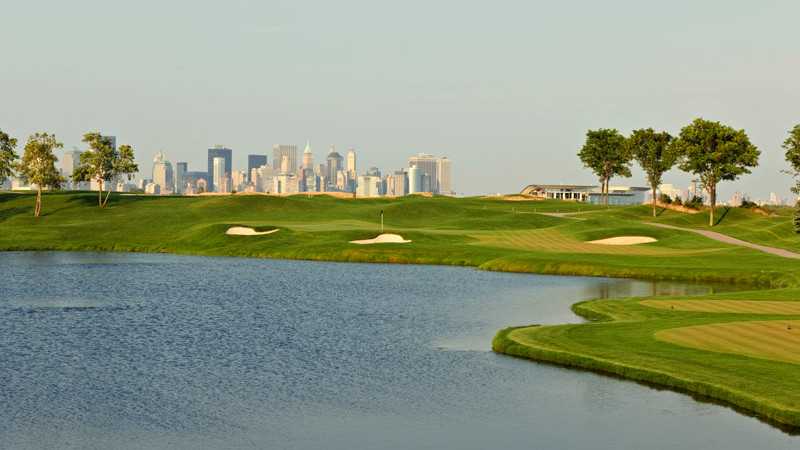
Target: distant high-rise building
{"points": [[443, 172], [308, 158], [333, 165], [368, 186], [254, 162], [285, 164], [351, 161], [399, 183], [217, 152], [219, 169], [429, 172], [71, 160], [238, 178], [180, 170], [414, 180], [162, 173], [290, 151]]}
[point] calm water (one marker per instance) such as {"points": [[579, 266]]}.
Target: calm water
{"points": [[165, 351]]}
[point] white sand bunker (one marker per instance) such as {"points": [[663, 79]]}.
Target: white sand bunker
{"points": [[386, 238], [245, 231], [624, 240]]}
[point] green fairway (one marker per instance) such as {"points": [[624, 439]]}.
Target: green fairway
{"points": [[778, 340], [627, 338]]}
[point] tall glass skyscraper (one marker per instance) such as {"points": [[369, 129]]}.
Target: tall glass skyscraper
{"points": [[217, 152]]}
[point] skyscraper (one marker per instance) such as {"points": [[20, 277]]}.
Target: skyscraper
{"points": [[429, 172], [290, 151], [180, 170], [308, 158], [444, 177], [162, 173], [70, 161], [254, 162], [217, 152], [414, 180], [219, 170], [333, 164], [351, 161]]}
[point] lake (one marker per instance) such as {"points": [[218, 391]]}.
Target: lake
{"points": [[118, 350]]}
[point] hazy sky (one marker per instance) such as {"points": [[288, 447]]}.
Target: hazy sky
{"points": [[505, 89]]}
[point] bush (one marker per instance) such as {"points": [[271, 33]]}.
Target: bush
{"points": [[747, 204], [695, 203], [664, 198], [677, 201]]}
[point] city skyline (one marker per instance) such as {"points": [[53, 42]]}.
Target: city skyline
{"points": [[522, 81]]}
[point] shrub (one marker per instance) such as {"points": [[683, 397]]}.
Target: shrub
{"points": [[664, 198], [677, 201]]}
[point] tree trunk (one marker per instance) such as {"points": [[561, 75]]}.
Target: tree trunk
{"points": [[654, 201], [108, 193], [38, 200], [712, 191], [100, 192]]}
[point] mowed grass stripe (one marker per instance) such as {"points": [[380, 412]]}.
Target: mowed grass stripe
{"points": [[556, 241], [727, 306], [768, 339]]}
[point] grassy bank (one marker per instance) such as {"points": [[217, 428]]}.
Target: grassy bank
{"points": [[490, 234]]}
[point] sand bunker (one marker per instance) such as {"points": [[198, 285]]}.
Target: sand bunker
{"points": [[386, 238], [244, 231], [624, 240]]}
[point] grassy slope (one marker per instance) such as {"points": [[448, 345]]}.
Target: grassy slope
{"points": [[491, 234]]}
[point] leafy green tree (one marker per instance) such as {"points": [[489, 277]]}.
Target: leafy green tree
{"points": [[792, 147], [7, 156], [654, 153], [96, 162], [606, 154], [38, 165], [103, 163], [121, 165], [714, 153]]}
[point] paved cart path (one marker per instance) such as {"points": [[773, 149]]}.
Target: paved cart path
{"points": [[730, 240]]}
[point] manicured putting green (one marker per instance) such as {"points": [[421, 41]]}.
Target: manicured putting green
{"points": [[727, 306], [777, 340]]}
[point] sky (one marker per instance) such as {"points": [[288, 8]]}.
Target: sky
{"points": [[505, 89]]}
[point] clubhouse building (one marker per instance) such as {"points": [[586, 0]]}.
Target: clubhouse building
{"points": [[617, 195]]}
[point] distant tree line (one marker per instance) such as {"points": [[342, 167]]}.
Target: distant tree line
{"points": [[710, 150], [37, 167]]}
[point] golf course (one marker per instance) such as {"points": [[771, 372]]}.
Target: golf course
{"points": [[740, 348]]}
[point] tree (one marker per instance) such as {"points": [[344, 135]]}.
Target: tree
{"points": [[654, 154], [38, 165], [606, 154], [792, 147], [7, 156], [103, 163], [121, 165], [714, 153]]}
